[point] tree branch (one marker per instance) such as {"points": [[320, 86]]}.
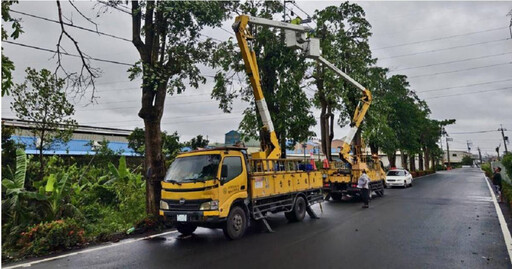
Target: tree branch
{"points": [[83, 16], [87, 73], [136, 25]]}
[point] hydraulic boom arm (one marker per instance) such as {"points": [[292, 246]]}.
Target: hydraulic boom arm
{"points": [[270, 145], [361, 109], [295, 36]]}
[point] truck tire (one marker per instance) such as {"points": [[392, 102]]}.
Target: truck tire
{"points": [[185, 229], [236, 224], [299, 209]]}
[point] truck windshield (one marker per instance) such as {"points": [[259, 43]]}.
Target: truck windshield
{"points": [[193, 168]]}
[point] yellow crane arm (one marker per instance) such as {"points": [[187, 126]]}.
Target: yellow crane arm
{"points": [[361, 109], [270, 144]]}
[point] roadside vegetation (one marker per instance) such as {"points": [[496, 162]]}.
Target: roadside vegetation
{"points": [[70, 206]]}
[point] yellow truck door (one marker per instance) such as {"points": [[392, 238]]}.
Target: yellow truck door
{"points": [[233, 182]]}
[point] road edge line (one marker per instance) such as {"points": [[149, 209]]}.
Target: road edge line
{"points": [[87, 250], [503, 223]]}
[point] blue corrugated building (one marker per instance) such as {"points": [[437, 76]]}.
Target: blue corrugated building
{"points": [[83, 141]]}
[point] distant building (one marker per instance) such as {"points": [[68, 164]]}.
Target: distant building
{"points": [[231, 138], [83, 141], [456, 156]]}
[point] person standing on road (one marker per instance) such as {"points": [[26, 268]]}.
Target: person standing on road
{"points": [[496, 181], [363, 184]]}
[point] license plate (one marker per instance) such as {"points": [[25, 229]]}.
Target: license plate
{"points": [[182, 217]]}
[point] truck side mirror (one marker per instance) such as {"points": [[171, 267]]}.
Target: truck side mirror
{"points": [[224, 172]]}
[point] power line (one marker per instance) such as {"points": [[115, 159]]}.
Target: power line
{"points": [[443, 49], [460, 70], [179, 117], [440, 38], [464, 86], [117, 7], [500, 89], [65, 53], [475, 132], [131, 107], [450, 62], [229, 32], [72, 25], [189, 121]]}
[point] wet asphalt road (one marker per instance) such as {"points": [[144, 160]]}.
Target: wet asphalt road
{"points": [[446, 220]]}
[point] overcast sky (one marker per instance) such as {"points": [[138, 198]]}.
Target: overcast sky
{"points": [[457, 55]]}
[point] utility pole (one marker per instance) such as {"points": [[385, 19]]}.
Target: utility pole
{"points": [[505, 138], [443, 132], [469, 145], [480, 155], [448, 150], [498, 151]]}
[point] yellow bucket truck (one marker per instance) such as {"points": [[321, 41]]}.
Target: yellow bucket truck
{"points": [[224, 187]]}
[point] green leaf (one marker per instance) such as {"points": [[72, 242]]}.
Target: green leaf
{"points": [[114, 171], [8, 184], [123, 171], [50, 184], [63, 184], [21, 168]]}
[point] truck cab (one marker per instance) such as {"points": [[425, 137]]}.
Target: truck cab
{"points": [[200, 188]]}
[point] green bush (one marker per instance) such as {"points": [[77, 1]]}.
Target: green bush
{"points": [[507, 162], [467, 160], [506, 191], [440, 167], [102, 200], [486, 167], [51, 236]]}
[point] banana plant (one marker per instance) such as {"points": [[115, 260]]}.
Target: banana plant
{"points": [[58, 190], [123, 174], [16, 195]]}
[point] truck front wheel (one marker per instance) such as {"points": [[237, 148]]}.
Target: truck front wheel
{"points": [[236, 223], [185, 229]]}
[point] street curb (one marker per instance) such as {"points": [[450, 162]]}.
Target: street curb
{"points": [[86, 250], [503, 223], [424, 176]]}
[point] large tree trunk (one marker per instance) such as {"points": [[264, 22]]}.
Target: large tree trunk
{"points": [[434, 162], [357, 142], [153, 95], [404, 160], [392, 160], [426, 151], [412, 162], [420, 161], [154, 164], [324, 129], [374, 149], [331, 132]]}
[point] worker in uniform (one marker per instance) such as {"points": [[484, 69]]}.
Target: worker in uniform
{"points": [[364, 185], [296, 21]]}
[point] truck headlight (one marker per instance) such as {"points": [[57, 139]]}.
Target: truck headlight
{"points": [[211, 205], [164, 205]]}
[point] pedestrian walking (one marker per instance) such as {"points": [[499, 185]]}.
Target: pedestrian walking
{"points": [[496, 181], [363, 184]]}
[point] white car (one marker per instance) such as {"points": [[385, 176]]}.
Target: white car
{"points": [[398, 177]]}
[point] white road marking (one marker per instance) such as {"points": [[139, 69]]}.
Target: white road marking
{"points": [[124, 242], [503, 223]]}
